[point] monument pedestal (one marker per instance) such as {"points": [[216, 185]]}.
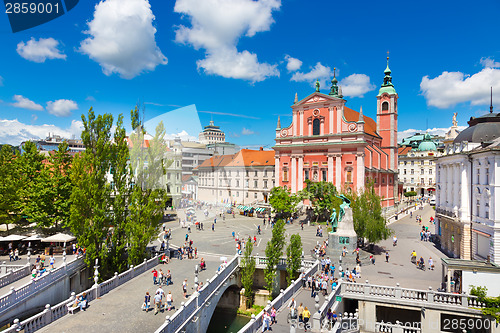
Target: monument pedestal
{"points": [[343, 236]]}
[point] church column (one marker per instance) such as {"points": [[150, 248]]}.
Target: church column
{"points": [[338, 171], [300, 177], [360, 170], [294, 173], [330, 120], [322, 126], [330, 168], [294, 123], [301, 113], [276, 171], [464, 207]]}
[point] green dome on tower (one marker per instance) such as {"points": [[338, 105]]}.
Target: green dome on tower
{"points": [[427, 144]]}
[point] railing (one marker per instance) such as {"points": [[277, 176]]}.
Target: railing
{"points": [[15, 296], [262, 261], [13, 273], [4, 268], [188, 310], [422, 296], [50, 314], [319, 319], [256, 321]]}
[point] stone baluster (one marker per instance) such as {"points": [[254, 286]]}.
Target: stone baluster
{"points": [[47, 314], [367, 288], [115, 280], [397, 328], [167, 320], [397, 291], [430, 295], [16, 325], [464, 300]]}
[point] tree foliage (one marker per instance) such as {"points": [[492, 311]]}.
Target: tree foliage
{"points": [[274, 251], [282, 201], [492, 304], [293, 257], [410, 194], [367, 215], [323, 198], [247, 272], [9, 186], [50, 197]]}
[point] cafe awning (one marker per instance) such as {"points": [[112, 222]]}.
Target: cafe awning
{"points": [[60, 237], [12, 238]]}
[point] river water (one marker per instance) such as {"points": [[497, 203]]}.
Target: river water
{"points": [[225, 321]]}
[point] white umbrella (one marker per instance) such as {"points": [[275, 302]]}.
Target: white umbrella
{"points": [[61, 238], [33, 238], [13, 238]]}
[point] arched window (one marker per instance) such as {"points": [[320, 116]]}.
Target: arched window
{"points": [[385, 106], [316, 126]]}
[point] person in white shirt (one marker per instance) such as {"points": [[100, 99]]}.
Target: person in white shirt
{"points": [[169, 300]]}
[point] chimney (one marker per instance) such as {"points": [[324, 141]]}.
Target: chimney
{"points": [[261, 148]]}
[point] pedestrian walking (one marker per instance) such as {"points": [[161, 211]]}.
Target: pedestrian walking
{"points": [[157, 299], [147, 300], [184, 288], [169, 301], [386, 256], [213, 227], [155, 275]]}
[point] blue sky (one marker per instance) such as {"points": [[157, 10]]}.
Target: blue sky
{"points": [[242, 61]]}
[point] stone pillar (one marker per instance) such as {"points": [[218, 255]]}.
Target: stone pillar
{"points": [[448, 281], [330, 121], [330, 168], [456, 183], [301, 124], [300, 177], [464, 187], [294, 124], [309, 127], [293, 176], [276, 172], [338, 171], [322, 126], [360, 171]]}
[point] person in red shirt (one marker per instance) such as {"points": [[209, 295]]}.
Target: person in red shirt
{"points": [[155, 275]]}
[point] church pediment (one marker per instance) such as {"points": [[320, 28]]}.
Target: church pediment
{"points": [[316, 98]]}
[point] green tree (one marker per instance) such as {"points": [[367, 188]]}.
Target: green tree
{"points": [[323, 198], [293, 257], [9, 186], [149, 195], [30, 169], [367, 215], [91, 216], [247, 272], [282, 201], [51, 193], [274, 251], [492, 304], [410, 194]]}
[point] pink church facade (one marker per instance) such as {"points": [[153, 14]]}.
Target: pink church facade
{"points": [[327, 141]]}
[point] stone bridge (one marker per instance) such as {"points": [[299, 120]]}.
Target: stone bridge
{"points": [[52, 287]]}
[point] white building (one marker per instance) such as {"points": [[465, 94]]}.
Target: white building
{"points": [[212, 134], [243, 178], [417, 169], [468, 178]]}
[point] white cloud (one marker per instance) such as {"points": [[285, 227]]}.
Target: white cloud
{"points": [[292, 64], [61, 107], [246, 131], [182, 134], [356, 85], [41, 50], [229, 63], [319, 72], [122, 38], [490, 63], [14, 132], [441, 131], [25, 103], [217, 25], [452, 88]]}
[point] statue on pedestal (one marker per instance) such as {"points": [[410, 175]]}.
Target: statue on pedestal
{"points": [[333, 218]]}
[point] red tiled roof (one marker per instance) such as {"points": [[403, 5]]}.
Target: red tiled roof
{"points": [[244, 158], [370, 124], [403, 150]]}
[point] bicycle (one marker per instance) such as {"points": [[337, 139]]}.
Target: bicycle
{"points": [[292, 316]]}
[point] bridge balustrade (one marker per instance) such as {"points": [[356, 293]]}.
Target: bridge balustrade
{"points": [[53, 313], [254, 324], [13, 273], [395, 328], [407, 294]]}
